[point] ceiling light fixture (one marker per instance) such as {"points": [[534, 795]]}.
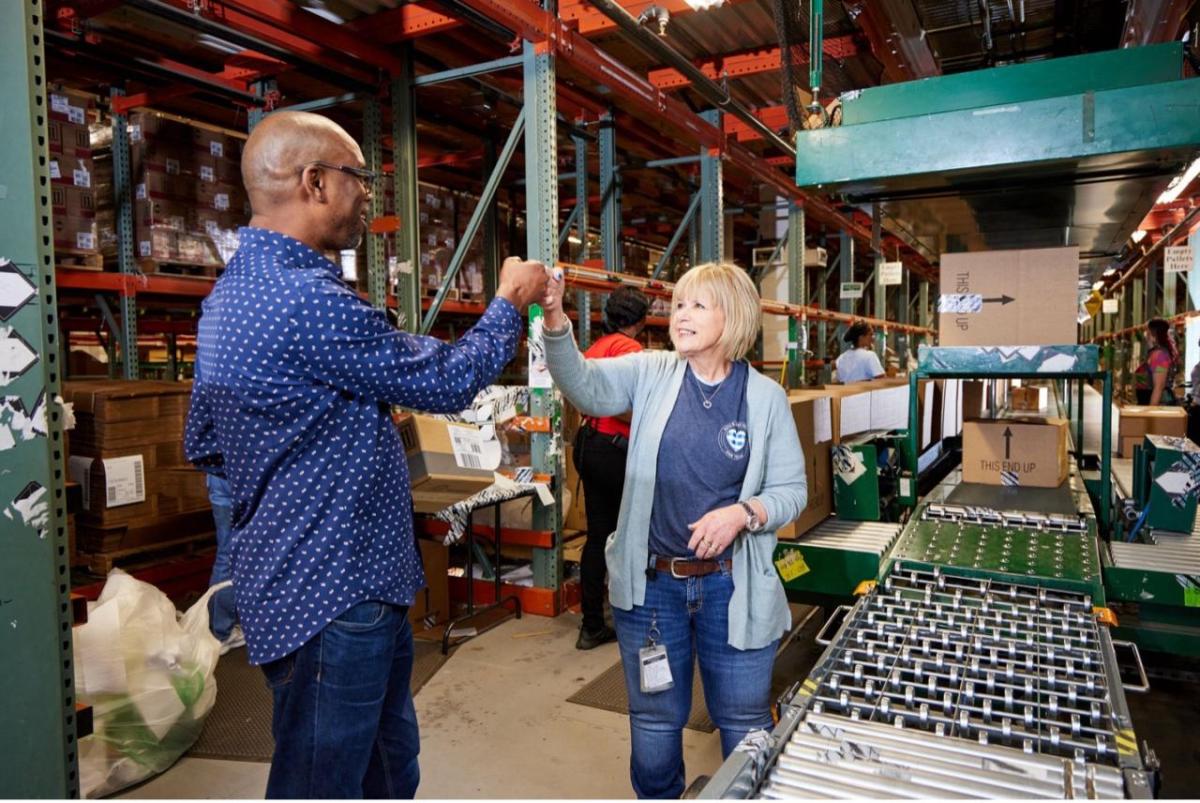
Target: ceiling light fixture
{"points": [[701, 5], [1180, 183]]}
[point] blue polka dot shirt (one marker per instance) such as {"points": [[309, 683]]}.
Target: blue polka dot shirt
{"points": [[294, 378]]}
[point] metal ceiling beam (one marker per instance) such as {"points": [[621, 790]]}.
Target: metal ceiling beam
{"points": [[651, 44], [1149, 22], [896, 37], [747, 63]]}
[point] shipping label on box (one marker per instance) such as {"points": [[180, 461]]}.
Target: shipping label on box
{"points": [[1016, 452], [1008, 298], [124, 479]]}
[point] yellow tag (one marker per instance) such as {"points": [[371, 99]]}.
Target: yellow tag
{"points": [[791, 566]]}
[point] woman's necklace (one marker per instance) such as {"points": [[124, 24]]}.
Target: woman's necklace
{"points": [[707, 400]]}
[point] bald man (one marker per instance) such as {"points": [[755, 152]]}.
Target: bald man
{"points": [[295, 377]]}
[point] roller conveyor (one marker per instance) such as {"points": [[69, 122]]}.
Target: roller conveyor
{"points": [[946, 686]]}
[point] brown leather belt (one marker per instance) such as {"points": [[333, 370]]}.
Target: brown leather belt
{"points": [[680, 568]]}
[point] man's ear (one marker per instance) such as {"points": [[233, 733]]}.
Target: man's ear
{"points": [[314, 182]]}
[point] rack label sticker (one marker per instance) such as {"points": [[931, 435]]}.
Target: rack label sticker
{"points": [[16, 289], [59, 104], [960, 303], [135, 132], [216, 148], [852, 290], [905, 487], [82, 178], [145, 248], [16, 355], [140, 192], [211, 228], [55, 172], [85, 240], [77, 115], [792, 565], [1110, 306], [221, 201], [1191, 597], [206, 173], [172, 167]]}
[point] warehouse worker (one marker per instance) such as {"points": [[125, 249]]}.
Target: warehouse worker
{"points": [[714, 468], [860, 363], [1154, 380], [600, 452], [295, 378]]}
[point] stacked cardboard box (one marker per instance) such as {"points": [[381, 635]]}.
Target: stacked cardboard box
{"points": [[72, 195], [813, 414], [127, 452], [1016, 452], [1135, 422], [189, 200]]}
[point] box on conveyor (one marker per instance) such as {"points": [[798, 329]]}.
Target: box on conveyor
{"points": [[1015, 452], [812, 412], [1137, 421], [1008, 298]]}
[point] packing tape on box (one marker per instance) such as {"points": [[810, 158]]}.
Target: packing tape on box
{"points": [[960, 303]]}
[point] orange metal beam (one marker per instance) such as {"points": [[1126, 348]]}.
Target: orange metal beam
{"points": [[750, 62], [774, 116]]}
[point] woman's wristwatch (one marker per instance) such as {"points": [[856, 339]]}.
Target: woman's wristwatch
{"points": [[752, 522]]}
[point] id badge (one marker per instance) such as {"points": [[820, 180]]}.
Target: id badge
{"points": [[655, 669]]}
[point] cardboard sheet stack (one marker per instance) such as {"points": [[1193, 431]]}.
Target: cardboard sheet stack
{"points": [[127, 452]]}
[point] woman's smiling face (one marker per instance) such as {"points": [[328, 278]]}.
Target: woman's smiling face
{"points": [[697, 324]]}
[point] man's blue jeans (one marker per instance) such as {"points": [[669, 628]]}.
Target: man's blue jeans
{"points": [[222, 613], [693, 623], [344, 721]]}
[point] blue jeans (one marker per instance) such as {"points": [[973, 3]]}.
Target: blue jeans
{"points": [[344, 721], [222, 612], [693, 620]]}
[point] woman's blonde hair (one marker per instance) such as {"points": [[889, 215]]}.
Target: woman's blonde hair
{"points": [[734, 292]]}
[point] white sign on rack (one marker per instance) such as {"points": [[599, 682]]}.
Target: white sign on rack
{"points": [[851, 290], [890, 273], [1177, 258], [1110, 306]]}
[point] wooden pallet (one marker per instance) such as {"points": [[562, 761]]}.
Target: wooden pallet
{"points": [[171, 268], [78, 260], [101, 563]]}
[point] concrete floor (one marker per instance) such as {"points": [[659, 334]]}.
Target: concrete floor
{"points": [[495, 723]]}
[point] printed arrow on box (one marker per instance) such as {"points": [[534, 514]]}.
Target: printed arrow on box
{"points": [[1002, 300], [15, 289], [1007, 443]]}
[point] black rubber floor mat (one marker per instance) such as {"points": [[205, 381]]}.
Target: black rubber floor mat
{"points": [[607, 692], [239, 726]]}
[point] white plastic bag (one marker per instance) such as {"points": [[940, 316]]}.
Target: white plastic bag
{"points": [[148, 674]]}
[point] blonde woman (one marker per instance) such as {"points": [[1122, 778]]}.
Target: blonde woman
{"points": [[714, 467]]}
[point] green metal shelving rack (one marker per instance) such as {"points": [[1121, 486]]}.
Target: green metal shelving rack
{"points": [[37, 698]]}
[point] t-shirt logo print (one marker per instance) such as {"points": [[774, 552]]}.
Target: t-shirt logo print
{"points": [[734, 439]]}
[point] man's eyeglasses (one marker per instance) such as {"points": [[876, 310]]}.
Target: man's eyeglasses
{"points": [[367, 177]]}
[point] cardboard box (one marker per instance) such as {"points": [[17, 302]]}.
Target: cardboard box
{"points": [[865, 406], [76, 171], [432, 603], [1029, 399], [1009, 298], [1127, 444], [812, 412], [70, 106], [68, 139], [975, 398], [439, 464], [1016, 452], [75, 233], [1138, 420], [68, 201]]}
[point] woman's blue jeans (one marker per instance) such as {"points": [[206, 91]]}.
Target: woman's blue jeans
{"points": [[693, 623]]}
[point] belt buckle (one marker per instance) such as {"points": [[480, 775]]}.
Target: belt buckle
{"points": [[678, 576]]}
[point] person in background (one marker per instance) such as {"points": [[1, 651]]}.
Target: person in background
{"points": [[295, 379], [222, 607], [600, 450], [715, 467], [859, 363], [1154, 380]]}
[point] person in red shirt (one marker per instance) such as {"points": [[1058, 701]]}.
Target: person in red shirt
{"points": [[599, 456]]}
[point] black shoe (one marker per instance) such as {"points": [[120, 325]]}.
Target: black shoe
{"points": [[589, 639]]}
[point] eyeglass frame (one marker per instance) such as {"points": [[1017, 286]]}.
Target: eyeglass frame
{"points": [[368, 177]]}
